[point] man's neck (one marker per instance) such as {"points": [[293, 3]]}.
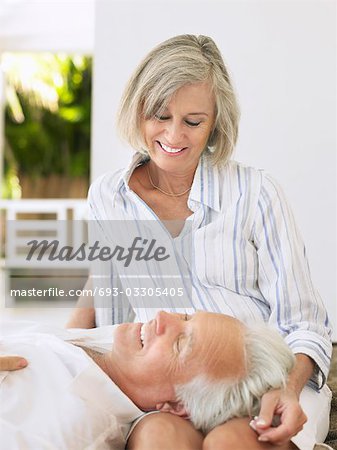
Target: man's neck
{"points": [[96, 356], [105, 362]]}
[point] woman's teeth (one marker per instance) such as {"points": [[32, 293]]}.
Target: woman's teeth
{"points": [[170, 149]]}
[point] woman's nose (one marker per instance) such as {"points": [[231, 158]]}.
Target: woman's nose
{"points": [[173, 133]]}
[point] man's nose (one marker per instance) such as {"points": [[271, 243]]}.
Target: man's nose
{"points": [[163, 320]]}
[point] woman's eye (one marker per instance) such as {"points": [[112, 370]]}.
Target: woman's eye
{"points": [[161, 118], [192, 124], [188, 122]]}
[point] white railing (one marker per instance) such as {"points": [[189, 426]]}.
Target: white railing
{"points": [[68, 226], [58, 206], [68, 213]]}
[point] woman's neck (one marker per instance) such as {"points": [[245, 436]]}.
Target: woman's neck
{"points": [[173, 182]]}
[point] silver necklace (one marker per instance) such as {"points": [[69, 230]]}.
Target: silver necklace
{"points": [[161, 190]]}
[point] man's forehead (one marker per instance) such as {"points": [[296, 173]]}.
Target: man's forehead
{"points": [[218, 344], [214, 323], [224, 319]]}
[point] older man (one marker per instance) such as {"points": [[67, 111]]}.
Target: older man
{"points": [[89, 388]]}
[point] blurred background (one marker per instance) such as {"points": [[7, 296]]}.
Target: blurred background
{"points": [[64, 65], [46, 61], [46, 125]]}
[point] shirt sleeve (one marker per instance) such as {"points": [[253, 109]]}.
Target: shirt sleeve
{"points": [[111, 305], [296, 308]]}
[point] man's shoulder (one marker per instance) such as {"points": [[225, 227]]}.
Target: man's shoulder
{"points": [[56, 380], [47, 355], [39, 344]]}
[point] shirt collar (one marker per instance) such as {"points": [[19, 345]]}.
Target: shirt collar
{"points": [[205, 186], [125, 175], [136, 160]]}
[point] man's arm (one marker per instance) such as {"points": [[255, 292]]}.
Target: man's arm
{"points": [[83, 315]]}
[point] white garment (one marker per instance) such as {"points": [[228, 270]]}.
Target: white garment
{"points": [[62, 400], [316, 406], [249, 260]]}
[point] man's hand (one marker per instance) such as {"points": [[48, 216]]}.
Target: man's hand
{"points": [[12, 362], [285, 405]]}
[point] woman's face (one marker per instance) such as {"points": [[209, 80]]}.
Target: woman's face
{"points": [[177, 137]]}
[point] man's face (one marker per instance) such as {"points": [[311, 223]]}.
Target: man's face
{"points": [[149, 359]]}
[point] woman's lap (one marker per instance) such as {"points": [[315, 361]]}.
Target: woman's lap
{"points": [[165, 431], [316, 406]]}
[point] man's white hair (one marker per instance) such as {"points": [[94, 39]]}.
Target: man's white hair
{"points": [[268, 362]]}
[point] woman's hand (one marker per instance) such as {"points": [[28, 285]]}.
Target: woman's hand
{"points": [[285, 405], [12, 363]]}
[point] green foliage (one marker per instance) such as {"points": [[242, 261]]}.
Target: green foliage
{"points": [[47, 117]]}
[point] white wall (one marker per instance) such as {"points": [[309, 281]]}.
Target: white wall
{"points": [[47, 25], [282, 56]]}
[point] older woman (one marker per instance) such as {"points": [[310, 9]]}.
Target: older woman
{"points": [[180, 114]]}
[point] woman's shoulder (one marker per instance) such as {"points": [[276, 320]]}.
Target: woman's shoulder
{"points": [[238, 172], [106, 184], [110, 182], [252, 181], [109, 178], [244, 183], [236, 169], [102, 193]]}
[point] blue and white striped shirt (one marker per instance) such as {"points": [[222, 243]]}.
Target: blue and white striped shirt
{"points": [[249, 259]]}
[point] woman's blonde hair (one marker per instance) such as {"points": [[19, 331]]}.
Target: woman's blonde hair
{"points": [[181, 60]]}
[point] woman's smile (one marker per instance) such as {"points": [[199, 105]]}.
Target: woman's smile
{"points": [[182, 131], [171, 150]]}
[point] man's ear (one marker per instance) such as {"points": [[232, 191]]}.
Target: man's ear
{"points": [[176, 408]]}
